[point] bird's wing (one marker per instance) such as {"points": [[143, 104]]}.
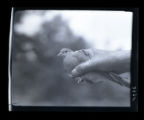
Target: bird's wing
{"points": [[88, 53], [81, 55]]}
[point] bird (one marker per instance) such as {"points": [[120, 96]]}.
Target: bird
{"points": [[73, 58]]}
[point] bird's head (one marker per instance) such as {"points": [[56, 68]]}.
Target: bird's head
{"points": [[64, 52]]}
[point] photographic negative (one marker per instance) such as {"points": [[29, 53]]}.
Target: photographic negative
{"points": [[71, 58]]}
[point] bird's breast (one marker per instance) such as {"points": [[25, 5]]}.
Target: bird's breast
{"points": [[70, 62]]}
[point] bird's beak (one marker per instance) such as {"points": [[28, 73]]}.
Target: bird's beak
{"points": [[59, 54]]}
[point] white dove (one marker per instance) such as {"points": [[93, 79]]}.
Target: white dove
{"points": [[71, 59]]}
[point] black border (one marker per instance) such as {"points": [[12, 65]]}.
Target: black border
{"points": [[134, 64]]}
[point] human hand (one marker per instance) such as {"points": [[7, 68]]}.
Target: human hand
{"points": [[109, 61], [104, 65]]}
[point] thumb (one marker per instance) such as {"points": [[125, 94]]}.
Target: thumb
{"points": [[81, 69]]}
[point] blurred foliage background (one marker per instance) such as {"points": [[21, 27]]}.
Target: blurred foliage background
{"points": [[38, 77]]}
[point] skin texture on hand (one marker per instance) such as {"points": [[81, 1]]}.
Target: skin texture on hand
{"points": [[110, 61]]}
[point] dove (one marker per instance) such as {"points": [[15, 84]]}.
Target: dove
{"points": [[71, 59]]}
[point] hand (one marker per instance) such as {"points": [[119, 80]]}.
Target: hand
{"points": [[109, 61]]}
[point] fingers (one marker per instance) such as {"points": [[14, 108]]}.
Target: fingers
{"points": [[75, 72], [81, 69], [90, 78], [109, 61], [120, 80], [95, 60], [85, 67]]}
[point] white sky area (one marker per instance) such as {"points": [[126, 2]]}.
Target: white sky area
{"points": [[110, 30]]}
